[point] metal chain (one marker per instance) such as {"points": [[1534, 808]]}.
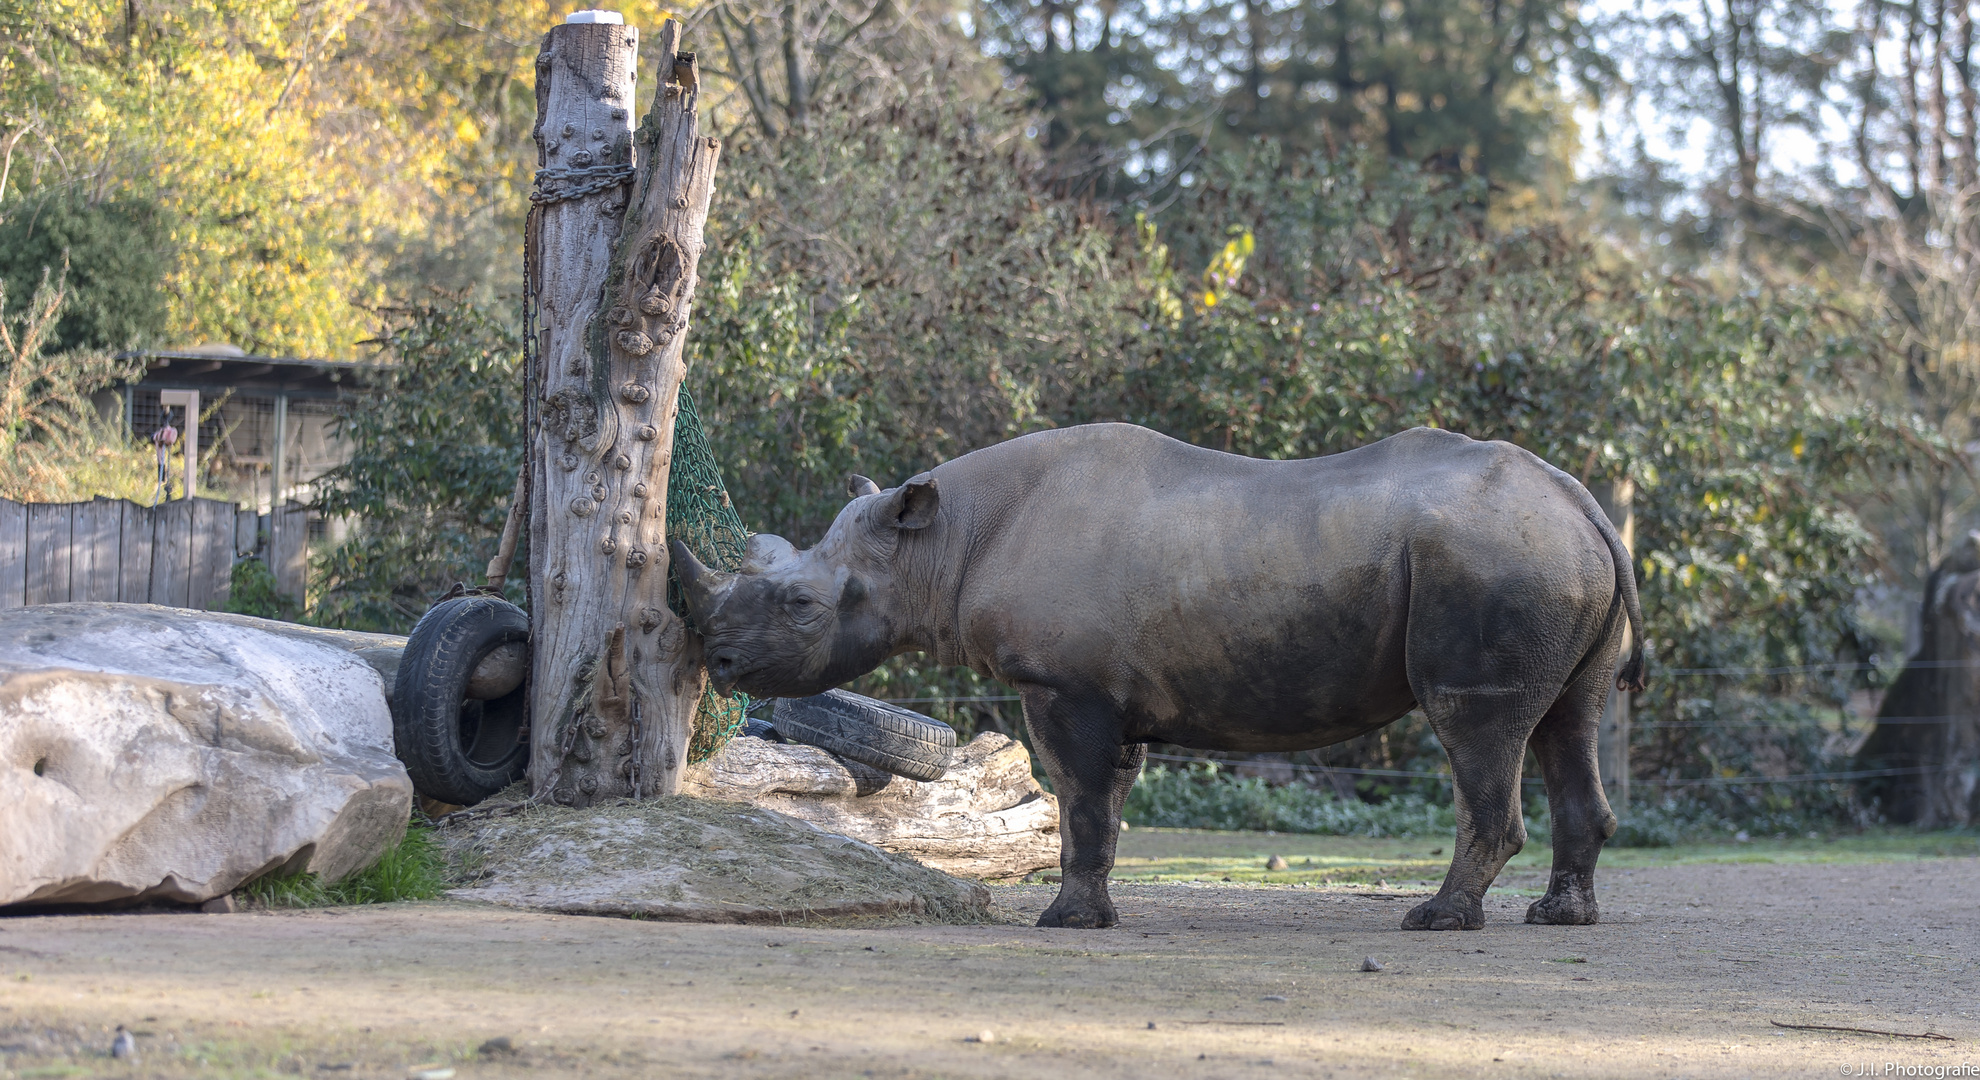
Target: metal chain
{"points": [[637, 747], [585, 180]]}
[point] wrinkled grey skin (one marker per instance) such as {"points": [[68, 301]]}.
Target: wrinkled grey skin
{"points": [[1136, 589]]}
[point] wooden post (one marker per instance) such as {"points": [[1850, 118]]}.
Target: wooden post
{"points": [[189, 437], [1612, 740], [615, 677]]}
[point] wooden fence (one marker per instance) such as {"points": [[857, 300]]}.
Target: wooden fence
{"points": [[180, 553]]}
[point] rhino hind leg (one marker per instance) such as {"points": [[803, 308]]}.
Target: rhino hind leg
{"points": [[1564, 742], [1485, 736], [1091, 773]]}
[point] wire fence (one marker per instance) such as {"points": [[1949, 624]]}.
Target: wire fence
{"points": [[1325, 771], [1840, 776]]}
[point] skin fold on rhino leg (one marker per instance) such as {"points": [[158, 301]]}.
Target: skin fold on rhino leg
{"points": [[1565, 744], [1485, 737], [1092, 772]]}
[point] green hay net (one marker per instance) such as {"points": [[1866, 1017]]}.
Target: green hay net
{"points": [[699, 514]]}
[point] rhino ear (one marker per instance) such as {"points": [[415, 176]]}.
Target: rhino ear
{"points": [[857, 485], [913, 504]]}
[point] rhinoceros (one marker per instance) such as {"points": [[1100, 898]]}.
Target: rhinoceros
{"points": [[1134, 589]]}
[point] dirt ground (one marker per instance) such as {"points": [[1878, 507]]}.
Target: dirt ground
{"points": [[1697, 952]]}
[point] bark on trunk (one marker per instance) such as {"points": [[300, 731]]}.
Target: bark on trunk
{"points": [[615, 676], [1929, 724]]}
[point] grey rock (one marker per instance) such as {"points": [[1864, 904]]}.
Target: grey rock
{"points": [[176, 755], [1369, 963]]}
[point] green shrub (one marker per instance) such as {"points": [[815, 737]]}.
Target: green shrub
{"points": [[1207, 797], [432, 470], [415, 869], [1694, 819], [253, 592]]}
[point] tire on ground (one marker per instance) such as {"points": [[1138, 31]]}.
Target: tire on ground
{"points": [[870, 732], [457, 747]]}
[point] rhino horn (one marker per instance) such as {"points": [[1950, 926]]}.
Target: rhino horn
{"points": [[704, 589]]}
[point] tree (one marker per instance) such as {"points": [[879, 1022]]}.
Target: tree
{"points": [[1749, 71], [1466, 86], [307, 159], [1912, 224], [114, 287], [786, 56], [889, 292], [1110, 109]]}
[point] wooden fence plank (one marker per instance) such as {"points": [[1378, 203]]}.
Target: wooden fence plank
{"points": [[247, 533], [212, 554], [49, 536], [96, 550], [288, 549], [134, 562], [13, 554], [171, 553]]}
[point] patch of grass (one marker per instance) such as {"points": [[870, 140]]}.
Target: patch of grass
{"points": [[415, 869], [1149, 854]]}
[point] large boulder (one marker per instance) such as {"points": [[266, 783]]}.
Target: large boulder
{"points": [[987, 818], [154, 753]]}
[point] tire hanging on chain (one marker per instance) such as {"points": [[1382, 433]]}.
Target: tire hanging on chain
{"points": [[460, 701]]}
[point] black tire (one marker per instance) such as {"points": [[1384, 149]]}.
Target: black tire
{"points": [[874, 733], [458, 749]]}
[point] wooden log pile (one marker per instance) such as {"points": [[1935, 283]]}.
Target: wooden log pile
{"points": [[987, 818]]}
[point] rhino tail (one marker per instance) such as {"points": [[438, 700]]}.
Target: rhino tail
{"points": [[1632, 677]]}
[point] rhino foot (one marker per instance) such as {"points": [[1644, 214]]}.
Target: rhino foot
{"points": [[1079, 916], [1568, 903], [1446, 913]]}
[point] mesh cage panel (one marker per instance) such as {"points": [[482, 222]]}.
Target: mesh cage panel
{"points": [[700, 515]]}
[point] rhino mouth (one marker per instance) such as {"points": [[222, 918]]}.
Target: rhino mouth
{"points": [[727, 669]]}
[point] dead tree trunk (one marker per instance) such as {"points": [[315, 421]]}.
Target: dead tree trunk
{"points": [[1927, 736], [615, 677]]}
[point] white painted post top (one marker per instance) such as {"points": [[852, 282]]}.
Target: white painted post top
{"points": [[608, 18]]}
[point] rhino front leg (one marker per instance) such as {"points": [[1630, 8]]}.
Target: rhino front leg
{"points": [[1080, 746]]}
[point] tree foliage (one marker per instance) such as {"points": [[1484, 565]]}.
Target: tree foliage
{"points": [[436, 450], [1461, 85], [115, 274], [306, 159]]}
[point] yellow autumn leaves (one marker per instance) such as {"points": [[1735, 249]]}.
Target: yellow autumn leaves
{"points": [[309, 155]]}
